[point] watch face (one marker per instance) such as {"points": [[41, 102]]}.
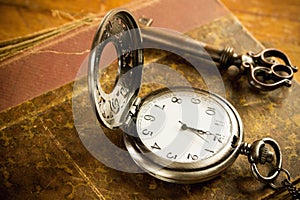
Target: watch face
{"points": [[184, 135], [184, 126]]}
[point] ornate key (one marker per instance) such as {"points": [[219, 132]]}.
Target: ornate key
{"points": [[263, 69]]}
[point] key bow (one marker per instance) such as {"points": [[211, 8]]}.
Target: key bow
{"points": [[268, 69]]}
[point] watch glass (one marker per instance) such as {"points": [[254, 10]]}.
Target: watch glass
{"points": [[183, 125]]}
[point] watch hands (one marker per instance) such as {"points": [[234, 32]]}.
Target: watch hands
{"points": [[200, 132]]}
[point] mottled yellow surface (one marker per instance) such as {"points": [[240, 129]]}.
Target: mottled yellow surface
{"points": [[42, 156]]}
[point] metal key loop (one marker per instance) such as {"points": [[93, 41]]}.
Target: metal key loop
{"points": [[264, 70], [273, 73]]}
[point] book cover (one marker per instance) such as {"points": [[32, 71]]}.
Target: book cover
{"points": [[43, 156]]}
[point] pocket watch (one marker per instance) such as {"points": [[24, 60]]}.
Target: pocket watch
{"points": [[177, 134], [184, 135]]}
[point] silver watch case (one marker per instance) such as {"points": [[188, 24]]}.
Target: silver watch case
{"points": [[117, 109]]}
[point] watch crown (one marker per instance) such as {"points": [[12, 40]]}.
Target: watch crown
{"points": [[265, 155], [257, 152]]}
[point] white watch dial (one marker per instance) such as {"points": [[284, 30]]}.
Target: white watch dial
{"points": [[183, 125]]}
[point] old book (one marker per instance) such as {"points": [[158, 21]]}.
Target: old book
{"points": [[43, 156]]}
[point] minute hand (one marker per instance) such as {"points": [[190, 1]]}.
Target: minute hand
{"points": [[198, 132]]}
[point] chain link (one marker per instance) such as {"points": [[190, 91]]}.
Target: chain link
{"points": [[287, 184]]}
